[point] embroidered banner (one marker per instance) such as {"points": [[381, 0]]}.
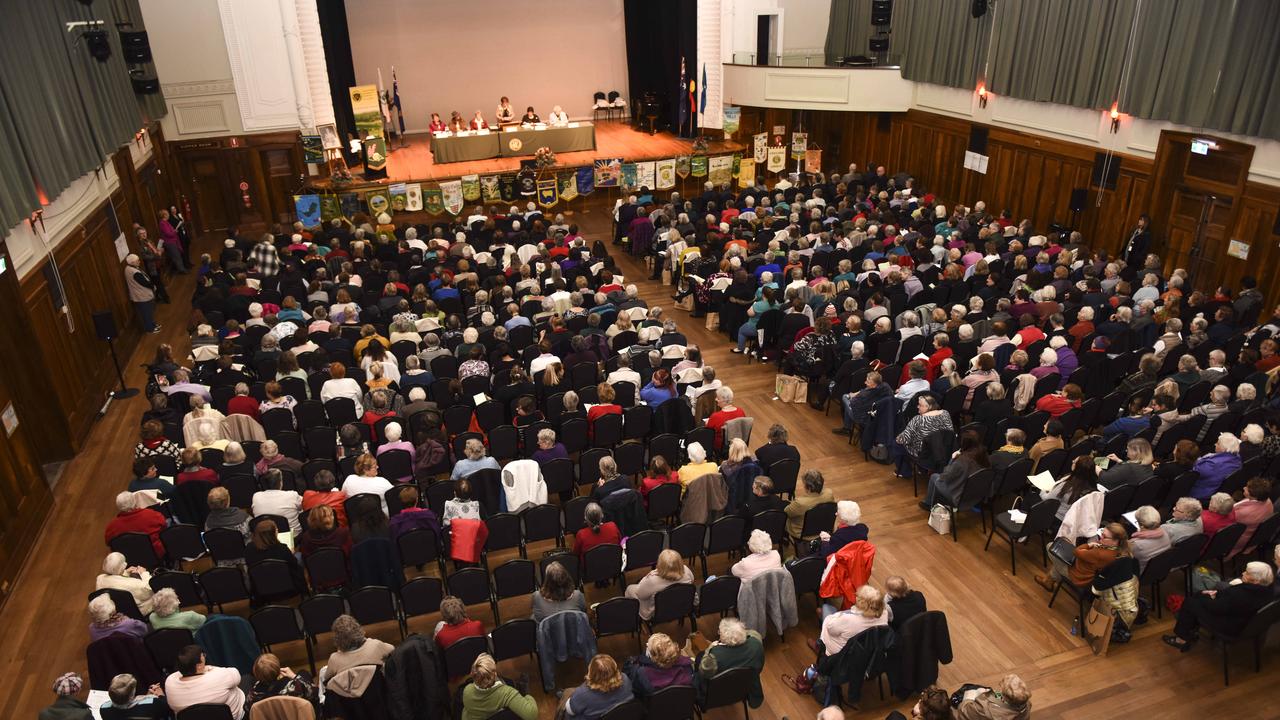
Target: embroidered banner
{"points": [[698, 166], [379, 201], [666, 170], [568, 186], [732, 116], [452, 192], [375, 154], [721, 169], [507, 188], [683, 166], [330, 207], [350, 205], [527, 182], [608, 172], [628, 176], [777, 159], [471, 188], [760, 146], [586, 180], [799, 143], [645, 174], [737, 163], [747, 173], [813, 161], [489, 191], [547, 191], [399, 196], [308, 209], [413, 201], [433, 201]]}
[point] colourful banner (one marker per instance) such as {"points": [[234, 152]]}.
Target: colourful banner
{"points": [[433, 201], [645, 174], [399, 196], [684, 165], [527, 182], [471, 188], [312, 149], [608, 172], [586, 180], [413, 197], [451, 196], [760, 147], [489, 189], [330, 207], [375, 151], [813, 161], [698, 166], [666, 170], [628, 176], [732, 116], [548, 192], [799, 143], [308, 209], [507, 188], [350, 205], [567, 185], [777, 159], [737, 163], [367, 111], [721, 170], [747, 173], [379, 201]]}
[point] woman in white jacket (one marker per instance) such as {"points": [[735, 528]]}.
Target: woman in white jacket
{"points": [[339, 385]]}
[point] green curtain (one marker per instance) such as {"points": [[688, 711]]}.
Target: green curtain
{"points": [[849, 30], [1247, 100], [1062, 51], [152, 107], [940, 42], [17, 192], [114, 116]]}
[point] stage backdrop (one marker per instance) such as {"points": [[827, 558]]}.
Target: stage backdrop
{"points": [[463, 55]]}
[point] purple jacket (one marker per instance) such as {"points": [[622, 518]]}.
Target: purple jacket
{"points": [[1214, 469], [1067, 364], [422, 518], [169, 235]]}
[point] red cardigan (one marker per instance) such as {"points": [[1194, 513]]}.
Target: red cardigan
{"points": [[243, 405], [142, 520], [718, 419], [586, 539]]}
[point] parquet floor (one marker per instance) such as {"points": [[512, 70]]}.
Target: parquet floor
{"points": [[999, 623]]}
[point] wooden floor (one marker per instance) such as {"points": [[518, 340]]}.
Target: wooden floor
{"points": [[998, 623], [614, 139]]}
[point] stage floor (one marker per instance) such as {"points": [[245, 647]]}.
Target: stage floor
{"points": [[414, 162]]}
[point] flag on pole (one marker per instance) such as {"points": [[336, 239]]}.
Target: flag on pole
{"points": [[683, 111], [395, 98], [702, 105]]}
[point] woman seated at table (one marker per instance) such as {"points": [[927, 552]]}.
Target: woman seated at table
{"points": [[558, 117], [437, 125], [456, 122], [478, 122], [505, 113], [530, 117]]}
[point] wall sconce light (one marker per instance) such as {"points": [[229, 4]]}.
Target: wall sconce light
{"points": [[1115, 117], [982, 95]]}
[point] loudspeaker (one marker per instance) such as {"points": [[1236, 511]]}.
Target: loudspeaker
{"points": [[1112, 171], [978, 139], [1079, 196], [879, 45], [881, 12], [98, 44], [104, 324], [146, 86], [979, 8], [884, 122], [137, 49]]}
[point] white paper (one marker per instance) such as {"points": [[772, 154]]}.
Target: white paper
{"points": [[1017, 516], [1132, 517], [1043, 482], [96, 699]]}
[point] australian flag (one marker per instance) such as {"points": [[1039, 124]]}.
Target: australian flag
{"points": [[395, 100]]}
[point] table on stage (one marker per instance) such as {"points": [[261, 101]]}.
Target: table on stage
{"points": [[513, 142]]}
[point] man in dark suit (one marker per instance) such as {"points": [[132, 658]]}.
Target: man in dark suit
{"points": [[1139, 243], [1226, 610], [777, 449]]}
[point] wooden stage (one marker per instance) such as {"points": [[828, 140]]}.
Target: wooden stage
{"points": [[413, 162]]}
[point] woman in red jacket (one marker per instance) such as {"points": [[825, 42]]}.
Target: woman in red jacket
{"points": [[1068, 398], [597, 532], [606, 406]]}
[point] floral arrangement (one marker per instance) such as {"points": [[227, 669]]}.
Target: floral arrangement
{"points": [[544, 157], [700, 144]]}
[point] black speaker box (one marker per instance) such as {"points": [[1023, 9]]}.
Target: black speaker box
{"points": [[978, 139], [146, 86], [881, 12], [104, 324], [979, 8], [1112, 171], [879, 45], [1079, 196]]}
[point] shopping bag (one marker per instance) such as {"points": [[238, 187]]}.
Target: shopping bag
{"points": [[713, 321], [940, 520], [666, 276], [1097, 626], [685, 303], [790, 388]]}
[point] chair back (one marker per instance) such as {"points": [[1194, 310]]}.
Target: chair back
{"points": [[687, 539], [819, 518], [673, 602], [1040, 518], [206, 711], [514, 578], [136, 548], [1261, 621], [630, 710], [728, 688], [1222, 542], [806, 573], [514, 638], [617, 615], [602, 563], [373, 604], [664, 501], [459, 656], [719, 595], [421, 596], [673, 702]]}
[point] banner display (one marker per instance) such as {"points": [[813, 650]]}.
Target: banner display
{"points": [[451, 193], [760, 147], [489, 189], [379, 201], [666, 171], [732, 116], [698, 166], [548, 192], [567, 185], [737, 163], [330, 207], [413, 197], [433, 201], [586, 180], [308, 209], [312, 149], [747, 173], [367, 111], [399, 196], [813, 161], [376, 154], [350, 205], [645, 174], [799, 143], [608, 172], [527, 182], [777, 159], [721, 170], [628, 180], [507, 188], [471, 188]]}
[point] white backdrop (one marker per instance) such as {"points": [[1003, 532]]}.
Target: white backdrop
{"points": [[464, 54]]}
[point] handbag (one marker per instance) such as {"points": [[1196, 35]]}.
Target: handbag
{"points": [[694, 645], [940, 520], [685, 303], [1098, 625], [790, 389], [1064, 550], [713, 321], [666, 276]]}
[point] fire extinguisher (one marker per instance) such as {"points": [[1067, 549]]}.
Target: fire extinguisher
{"points": [[244, 194]]}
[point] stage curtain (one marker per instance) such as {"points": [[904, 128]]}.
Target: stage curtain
{"points": [[153, 106], [939, 42], [660, 33], [17, 191], [849, 30], [336, 37], [111, 104], [1062, 51]]}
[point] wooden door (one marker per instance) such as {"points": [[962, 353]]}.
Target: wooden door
{"points": [[1189, 241], [209, 184]]}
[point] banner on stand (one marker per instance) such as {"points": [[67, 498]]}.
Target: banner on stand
{"points": [[760, 147], [747, 173], [628, 176], [645, 174], [452, 196], [308, 209], [608, 173], [666, 170], [568, 185], [586, 180], [507, 188], [378, 201], [777, 159], [471, 188], [684, 165], [330, 207], [433, 201], [799, 143], [732, 116], [698, 166], [489, 191], [721, 170], [813, 161], [548, 192], [399, 196], [413, 197]]}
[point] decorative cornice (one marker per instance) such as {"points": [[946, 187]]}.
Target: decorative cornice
{"points": [[199, 88]]}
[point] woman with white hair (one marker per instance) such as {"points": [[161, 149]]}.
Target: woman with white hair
{"points": [[393, 433], [1067, 361], [142, 291], [697, 466], [1150, 539], [1219, 512], [169, 613], [1009, 700], [869, 610], [736, 647], [474, 459], [204, 426], [105, 619], [1048, 363], [763, 557], [117, 575], [1225, 611], [1216, 467], [849, 528], [725, 411]]}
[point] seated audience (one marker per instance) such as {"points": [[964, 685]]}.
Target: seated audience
{"points": [[813, 494], [604, 687], [669, 571], [106, 620], [169, 613], [761, 559], [118, 575], [1009, 700], [661, 665], [487, 694], [735, 647], [1224, 611], [557, 593], [195, 683]]}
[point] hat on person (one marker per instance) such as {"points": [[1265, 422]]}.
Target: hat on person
{"points": [[68, 684], [1010, 231], [830, 311]]}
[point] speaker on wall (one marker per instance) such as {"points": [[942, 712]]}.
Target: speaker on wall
{"points": [[104, 324], [1079, 196], [1104, 175], [137, 49], [979, 8], [978, 139], [881, 12], [879, 45], [145, 86]]}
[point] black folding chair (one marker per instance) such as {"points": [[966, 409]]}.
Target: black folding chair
{"points": [[728, 688], [617, 616]]}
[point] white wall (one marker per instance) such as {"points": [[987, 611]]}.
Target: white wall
{"points": [[818, 88], [802, 25], [191, 63], [463, 55], [806, 26]]}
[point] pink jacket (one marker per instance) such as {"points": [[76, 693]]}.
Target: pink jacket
{"points": [[1251, 513]]}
